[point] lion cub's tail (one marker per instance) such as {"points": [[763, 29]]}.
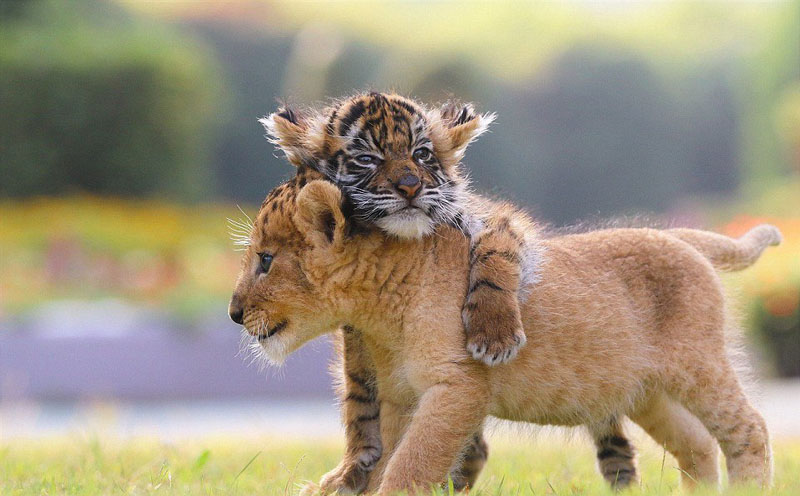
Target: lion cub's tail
{"points": [[730, 254]]}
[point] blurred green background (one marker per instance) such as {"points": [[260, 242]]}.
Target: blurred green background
{"points": [[129, 128]]}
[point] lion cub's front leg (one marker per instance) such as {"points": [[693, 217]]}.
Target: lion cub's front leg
{"points": [[447, 415], [360, 413], [491, 311]]}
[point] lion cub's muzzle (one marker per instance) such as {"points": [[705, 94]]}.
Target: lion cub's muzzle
{"points": [[271, 331]]}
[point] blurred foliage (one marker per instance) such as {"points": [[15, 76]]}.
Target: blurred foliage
{"points": [[254, 66], [604, 134], [603, 110], [158, 254], [788, 122], [773, 76], [517, 40], [97, 100], [777, 318], [770, 290]]}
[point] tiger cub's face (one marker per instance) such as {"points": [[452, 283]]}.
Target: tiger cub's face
{"points": [[396, 161]]}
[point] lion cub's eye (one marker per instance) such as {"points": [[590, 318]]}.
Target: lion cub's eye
{"points": [[266, 261], [366, 159], [422, 154]]}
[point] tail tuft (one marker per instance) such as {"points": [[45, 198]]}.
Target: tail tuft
{"points": [[730, 254], [765, 234]]}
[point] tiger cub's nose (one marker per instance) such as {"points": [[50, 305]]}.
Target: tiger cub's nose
{"points": [[409, 186]]}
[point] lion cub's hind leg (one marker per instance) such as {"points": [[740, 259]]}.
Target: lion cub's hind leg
{"points": [[491, 311], [616, 456], [684, 436], [716, 397]]}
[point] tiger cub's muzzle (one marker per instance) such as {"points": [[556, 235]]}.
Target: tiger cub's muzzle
{"points": [[408, 186]]}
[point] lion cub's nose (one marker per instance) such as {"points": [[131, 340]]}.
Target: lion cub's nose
{"points": [[236, 311], [409, 186]]}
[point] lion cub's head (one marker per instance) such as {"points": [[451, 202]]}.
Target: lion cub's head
{"points": [[396, 160], [296, 240]]}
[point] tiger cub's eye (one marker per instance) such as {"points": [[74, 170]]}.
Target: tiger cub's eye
{"points": [[266, 261], [422, 154], [365, 159]]}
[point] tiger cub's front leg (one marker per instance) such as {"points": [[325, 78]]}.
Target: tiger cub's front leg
{"points": [[360, 413], [470, 463], [491, 311]]}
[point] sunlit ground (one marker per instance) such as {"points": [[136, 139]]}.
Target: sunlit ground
{"points": [[543, 464]]}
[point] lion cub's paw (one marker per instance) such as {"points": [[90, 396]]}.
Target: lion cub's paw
{"points": [[493, 337]]}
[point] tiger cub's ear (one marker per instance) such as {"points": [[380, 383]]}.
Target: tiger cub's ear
{"points": [[463, 125], [292, 132]]}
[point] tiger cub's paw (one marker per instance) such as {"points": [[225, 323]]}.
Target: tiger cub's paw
{"points": [[347, 478], [310, 489], [494, 331]]}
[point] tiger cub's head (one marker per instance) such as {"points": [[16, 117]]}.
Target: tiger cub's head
{"points": [[396, 161]]}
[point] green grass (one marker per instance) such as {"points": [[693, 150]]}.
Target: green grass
{"points": [[274, 467]]}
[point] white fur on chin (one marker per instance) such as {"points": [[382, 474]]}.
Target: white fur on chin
{"points": [[407, 224], [274, 350]]}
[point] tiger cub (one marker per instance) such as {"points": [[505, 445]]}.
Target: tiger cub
{"points": [[378, 149]]}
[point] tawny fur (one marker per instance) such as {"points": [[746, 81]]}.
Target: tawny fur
{"points": [[622, 322]]}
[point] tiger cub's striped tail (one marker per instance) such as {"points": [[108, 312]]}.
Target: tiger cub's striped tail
{"points": [[729, 254]]}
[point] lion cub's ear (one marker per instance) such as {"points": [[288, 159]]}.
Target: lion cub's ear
{"points": [[293, 132], [319, 213], [463, 125]]}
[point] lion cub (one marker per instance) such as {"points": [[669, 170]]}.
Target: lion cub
{"points": [[628, 322]]}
